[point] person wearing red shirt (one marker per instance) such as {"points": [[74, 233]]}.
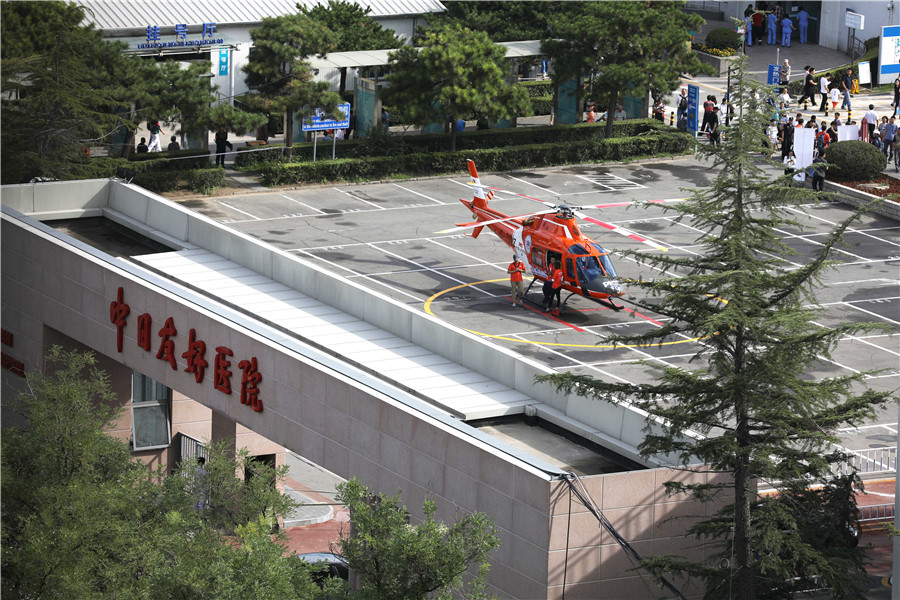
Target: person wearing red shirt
{"points": [[516, 286], [556, 281]]}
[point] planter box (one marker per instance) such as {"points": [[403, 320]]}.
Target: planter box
{"points": [[719, 63], [853, 197]]}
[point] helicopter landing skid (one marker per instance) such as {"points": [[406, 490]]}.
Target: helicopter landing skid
{"points": [[610, 304]]}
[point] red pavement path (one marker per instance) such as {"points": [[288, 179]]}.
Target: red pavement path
{"points": [[320, 537], [881, 554]]}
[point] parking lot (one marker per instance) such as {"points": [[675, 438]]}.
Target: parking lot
{"points": [[383, 236]]}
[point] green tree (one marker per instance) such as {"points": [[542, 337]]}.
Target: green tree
{"points": [[60, 94], [501, 21], [82, 520], [623, 47], [281, 76], [456, 74], [752, 409], [397, 560], [353, 29]]}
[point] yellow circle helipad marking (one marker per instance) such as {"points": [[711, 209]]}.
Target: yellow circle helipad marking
{"points": [[519, 341]]}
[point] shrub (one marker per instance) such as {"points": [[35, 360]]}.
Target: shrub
{"points": [[855, 160], [723, 38], [204, 181], [180, 159], [158, 181]]}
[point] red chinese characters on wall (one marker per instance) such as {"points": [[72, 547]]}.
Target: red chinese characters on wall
{"points": [[195, 355]]}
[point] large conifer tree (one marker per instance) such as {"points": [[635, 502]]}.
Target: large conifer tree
{"points": [[761, 415]]}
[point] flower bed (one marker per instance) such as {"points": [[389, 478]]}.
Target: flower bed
{"points": [[718, 62], [857, 192]]}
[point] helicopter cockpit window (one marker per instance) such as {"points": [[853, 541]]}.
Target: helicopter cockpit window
{"points": [[604, 260], [591, 267]]}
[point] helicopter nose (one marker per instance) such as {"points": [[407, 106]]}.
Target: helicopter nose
{"points": [[606, 285]]}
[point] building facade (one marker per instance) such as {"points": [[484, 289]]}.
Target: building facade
{"points": [[230, 324]]}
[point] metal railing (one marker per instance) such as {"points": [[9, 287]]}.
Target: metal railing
{"points": [[871, 460], [189, 450], [877, 512]]}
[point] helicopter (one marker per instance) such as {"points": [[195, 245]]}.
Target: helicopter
{"points": [[552, 234]]}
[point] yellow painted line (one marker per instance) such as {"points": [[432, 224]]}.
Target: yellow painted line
{"points": [[519, 341]]}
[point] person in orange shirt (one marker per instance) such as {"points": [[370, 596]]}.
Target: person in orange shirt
{"points": [[556, 280], [516, 270]]}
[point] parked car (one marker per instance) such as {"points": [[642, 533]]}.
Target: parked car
{"points": [[331, 565]]}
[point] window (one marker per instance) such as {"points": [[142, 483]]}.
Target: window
{"points": [[151, 424]]}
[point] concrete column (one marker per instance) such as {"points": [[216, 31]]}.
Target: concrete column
{"points": [[224, 428]]}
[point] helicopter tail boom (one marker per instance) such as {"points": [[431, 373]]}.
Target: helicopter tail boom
{"points": [[480, 199]]}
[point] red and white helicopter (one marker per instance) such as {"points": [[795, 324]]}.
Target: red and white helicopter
{"points": [[542, 237]]}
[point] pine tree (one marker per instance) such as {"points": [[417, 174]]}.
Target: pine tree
{"points": [[456, 74], [620, 48], [759, 413], [281, 76], [353, 29]]}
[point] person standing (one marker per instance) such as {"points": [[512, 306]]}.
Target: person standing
{"points": [[785, 73], [787, 27], [823, 138], [772, 134], [896, 102], [871, 120], [707, 112], [221, 142], [682, 106], [155, 132], [516, 270], [820, 165], [556, 280], [803, 21], [714, 127], [787, 139], [772, 28], [890, 135], [759, 19], [824, 83], [846, 86]]}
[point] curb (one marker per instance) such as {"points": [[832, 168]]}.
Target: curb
{"points": [[853, 197]]}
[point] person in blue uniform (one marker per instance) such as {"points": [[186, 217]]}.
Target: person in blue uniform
{"points": [[772, 26], [803, 21], [787, 27]]}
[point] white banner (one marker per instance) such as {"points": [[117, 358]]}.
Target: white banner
{"points": [[848, 132]]}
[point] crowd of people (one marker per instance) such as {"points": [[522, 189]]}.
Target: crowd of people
{"points": [[774, 24]]}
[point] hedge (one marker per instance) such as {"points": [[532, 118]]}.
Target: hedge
{"points": [[503, 158], [156, 174], [439, 142], [177, 160]]}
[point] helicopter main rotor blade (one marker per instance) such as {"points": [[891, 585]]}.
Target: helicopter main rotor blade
{"points": [[621, 231], [461, 226], [631, 203]]}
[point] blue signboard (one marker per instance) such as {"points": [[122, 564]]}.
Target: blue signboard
{"points": [[774, 77], [693, 106], [223, 62], [320, 123]]}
